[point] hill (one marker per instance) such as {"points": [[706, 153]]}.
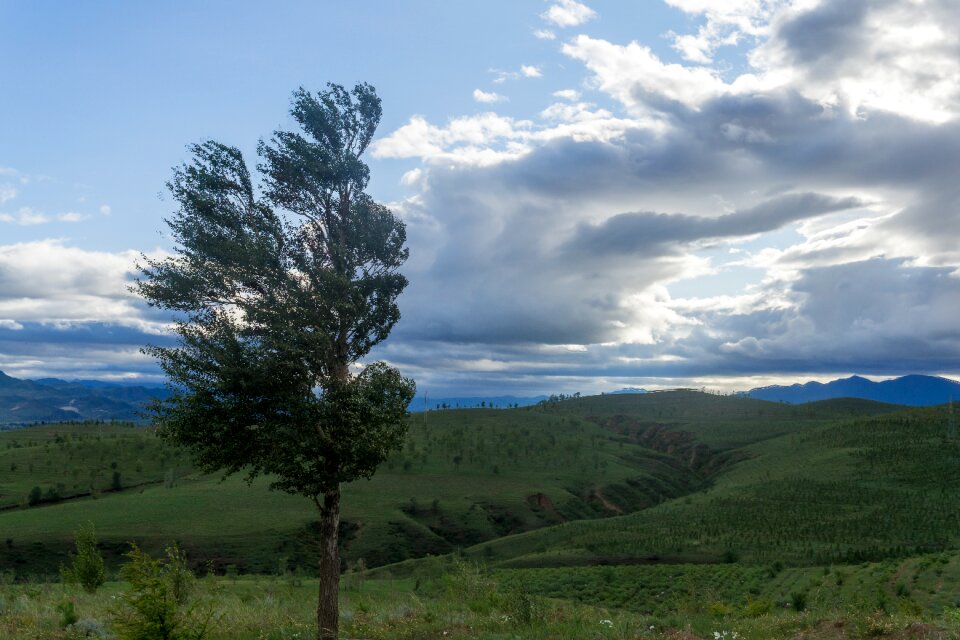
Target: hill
{"points": [[53, 400], [463, 478], [914, 390]]}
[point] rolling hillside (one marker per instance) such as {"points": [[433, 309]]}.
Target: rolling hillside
{"points": [[465, 479]]}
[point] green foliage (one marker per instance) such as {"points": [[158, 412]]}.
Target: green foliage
{"points": [[798, 600], [68, 613], [86, 565], [158, 605], [274, 308]]}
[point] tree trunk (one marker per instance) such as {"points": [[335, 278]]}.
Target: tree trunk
{"points": [[328, 608]]}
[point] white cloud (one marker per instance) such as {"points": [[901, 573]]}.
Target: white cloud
{"points": [[468, 140], [568, 13], [530, 71], [7, 193], [49, 282], [73, 216], [25, 217], [105, 210], [544, 34], [411, 177], [897, 57], [636, 77], [567, 94], [487, 97], [727, 23]]}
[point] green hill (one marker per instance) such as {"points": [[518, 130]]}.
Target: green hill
{"points": [[848, 490], [464, 477]]}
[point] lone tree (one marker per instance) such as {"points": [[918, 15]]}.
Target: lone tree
{"points": [[278, 292]]}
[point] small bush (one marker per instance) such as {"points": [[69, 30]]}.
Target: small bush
{"points": [[88, 628], [158, 605], [719, 609], [68, 614], [798, 600], [757, 608], [86, 566]]}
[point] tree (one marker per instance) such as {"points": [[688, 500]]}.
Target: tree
{"points": [[86, 566], [278, 292]]}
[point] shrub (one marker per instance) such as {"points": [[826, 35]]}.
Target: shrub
{"points": [[158, 605], [86, 566], [798, 600], [757, 608], [68, 614]]}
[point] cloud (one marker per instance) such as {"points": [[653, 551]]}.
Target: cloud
{"points": [[568, 13], [486, 97], [7, 193], [869, 55], [530, 71], [727, 23], [105, 210], [68, 311], [637, 78], [657, 233], [567, 94], [544, 34], [25, 217], [801, 219], [73, 216]]}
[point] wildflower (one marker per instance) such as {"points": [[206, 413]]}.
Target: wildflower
{"points": [[607, 623]]}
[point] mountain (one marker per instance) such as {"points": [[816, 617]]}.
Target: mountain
{"points": [[913, 390], [627, 391], [53, 400], [472, 402]]}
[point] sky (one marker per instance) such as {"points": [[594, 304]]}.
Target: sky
{"points": [[597, 194]]}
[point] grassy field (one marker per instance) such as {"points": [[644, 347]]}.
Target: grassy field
{"points": [[466, 602], [463, 477], [671, 515], [845, 491]]}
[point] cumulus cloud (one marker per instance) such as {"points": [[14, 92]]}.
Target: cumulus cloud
{"points": [[823, 174], [568, 13], [544, 34], [567, 94], [68, 311], [487, 97], [530, 71], [727, 22]]}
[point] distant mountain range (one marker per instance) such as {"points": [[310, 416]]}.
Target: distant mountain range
{"points": [[914, 390], [55, 400]]}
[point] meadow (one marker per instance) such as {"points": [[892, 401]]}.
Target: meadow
{"points": [[668, 515]]}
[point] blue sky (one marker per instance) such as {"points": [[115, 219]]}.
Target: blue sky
{"points": [[598, 194]]}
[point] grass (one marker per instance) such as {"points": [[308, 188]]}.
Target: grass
{"points": [[843, 491], [463, 477], [470, 603], [689, 513]]}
